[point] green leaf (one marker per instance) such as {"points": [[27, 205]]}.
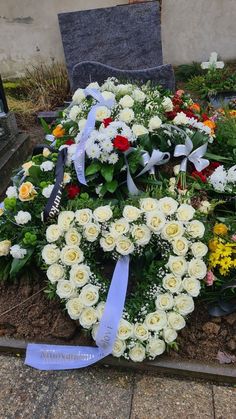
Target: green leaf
{"points": [[112, 186], [216, 157], [107, 172], [93, 168], [45, 126], [18, 264], [34, 173]]}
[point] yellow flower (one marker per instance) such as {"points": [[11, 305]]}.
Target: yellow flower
{"points": [[27, 192], [1, 211], [58, 131], [212, 244], [220, 229], [210, 124], [26, 166]]}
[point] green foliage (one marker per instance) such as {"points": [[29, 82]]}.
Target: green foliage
{"points": [[186, 71], [212, 82], [18, 264]]}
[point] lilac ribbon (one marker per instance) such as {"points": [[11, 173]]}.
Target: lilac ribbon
{"points": [[79, 157], [62, 357]]}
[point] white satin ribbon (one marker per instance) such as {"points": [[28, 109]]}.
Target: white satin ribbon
{"points": [[194, 156]]}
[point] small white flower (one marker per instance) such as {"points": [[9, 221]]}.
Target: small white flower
{"points": [[17, 252], [93, 151], [22, 217], [46, 192], [47, 166], [66, 178], [11, 192], [113, 158]]}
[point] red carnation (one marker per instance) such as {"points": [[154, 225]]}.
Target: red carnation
{"points": [[210, 169], [72, 191], [205, 117], [121, 143], [177, 101], [107, 122], [198, 175], [70, 142], [171, 115]]}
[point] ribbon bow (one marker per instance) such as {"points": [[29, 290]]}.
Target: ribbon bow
{"points": [[194, 156], [79, 157]]}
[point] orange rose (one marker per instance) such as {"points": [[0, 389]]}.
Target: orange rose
{"points": [[27, 192], [58, 131], [233, 113], [195, 107], [211, 124]]}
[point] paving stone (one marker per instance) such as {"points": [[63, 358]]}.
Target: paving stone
{"points": [[167, 398], [93, 393], [224, 402]]}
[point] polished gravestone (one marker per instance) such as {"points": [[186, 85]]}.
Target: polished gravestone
{"points": [[89, 71], [126, 37]]}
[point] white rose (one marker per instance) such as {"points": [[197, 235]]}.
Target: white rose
{"points": [[50, 254], [18, 252], [184, 304], [138, 95], [155, 221], [11, 192], [22, 217], [156, 321], [124, 246], [185, 212], [102, 214], [118, 348], [108, 95], [192, 286], [123, 89], [176, 169], [181, 119], [139, 130], [100, 309], [148, 204], [197, 269], [74, 112], [81, 124], [125, 330], [155, 347], [119, 227], [108, 242], [172, 283], [167, 205], [137, 353], [91, 231], [74, 308], [78, 96], [83, 216], [169, 335], [167, 104], [88, 317], [47, 166], [164, 301], [89, 295], [199, 249], [172, 230], [53, 233], [5, 246], [102, 113], [72, 237], [177, 265], [154, 123], [141, 332], [65, 289], [55, 272], [46, 192], [131, 213], [180, 246], [66, 178], [176, 321], [126, 101], [126, 115], [70, 255], [196, 229], [65, 219], [79, 275], [94, 331], [93, 85], [46, 152], [141, 234]]}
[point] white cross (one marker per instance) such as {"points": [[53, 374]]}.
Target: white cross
{"points": [[212, 63]]}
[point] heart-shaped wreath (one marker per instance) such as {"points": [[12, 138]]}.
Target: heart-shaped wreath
{"points": [[161, 238]]}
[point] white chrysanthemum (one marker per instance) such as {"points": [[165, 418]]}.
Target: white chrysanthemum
{"points": [[172, 283], [106, 145], [102, 214], [74, 308], [156, 321], [79, 275], [192, 286], [22, 217], [231, 175], [91, 231], [18, 252], [46, 192], [155, 347], [53, 233], [65, 289], [177, 265], [137, 353], [218, 179], [119, 227], [184, 304], [164, 301], [167, 205], [113, 158], [89, 295], [93, 151], [83, 216], [126, 115], [71, 255], [55, 272], [11, 192], [141, 234], [47, 166], [50, 254], [185, 212], [154, 123]]}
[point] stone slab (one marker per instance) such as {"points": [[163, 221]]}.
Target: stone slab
{"points": [[8, 126], [224, 402], [126, 36], [89, 71], [170, 398]]}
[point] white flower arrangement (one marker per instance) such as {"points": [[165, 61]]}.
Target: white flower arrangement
{"points": [[70, 257]]}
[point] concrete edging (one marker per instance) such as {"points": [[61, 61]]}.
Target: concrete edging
{"points": [[164, 365]]}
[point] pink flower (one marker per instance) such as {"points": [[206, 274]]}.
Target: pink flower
{"points": [[233, 237], [209, 279]]}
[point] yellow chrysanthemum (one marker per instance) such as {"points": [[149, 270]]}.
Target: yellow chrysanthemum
{"points": [[220, 229]]}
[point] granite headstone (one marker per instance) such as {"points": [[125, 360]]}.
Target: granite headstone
{"points": [[126, 37], [89, 71]]}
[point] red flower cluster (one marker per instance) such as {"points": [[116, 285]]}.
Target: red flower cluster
{"points": [[121, 143], [72, 191], [106, 122], [70, 141], [205, 173], [190, 114]]}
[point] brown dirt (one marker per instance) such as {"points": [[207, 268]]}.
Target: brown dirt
{"points": [[42, 320]]}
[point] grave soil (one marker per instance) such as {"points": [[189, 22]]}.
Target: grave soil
{"points": [[40, 320]]}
